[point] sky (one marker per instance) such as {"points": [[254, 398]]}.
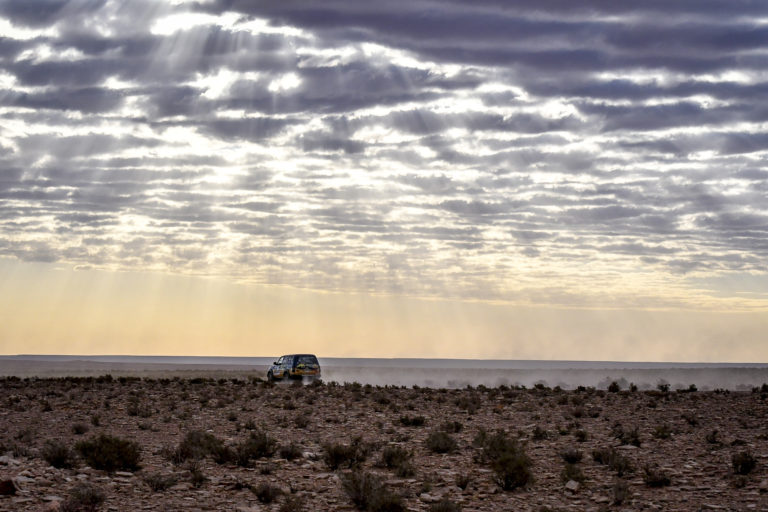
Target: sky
{"points": [[487, 179]]}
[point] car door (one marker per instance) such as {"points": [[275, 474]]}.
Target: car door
{"points": [[286, 366]]}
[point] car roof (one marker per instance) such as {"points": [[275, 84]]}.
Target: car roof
{"points": [[294, 355]]}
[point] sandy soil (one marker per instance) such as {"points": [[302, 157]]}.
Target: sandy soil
{"points": [[42, 418]]}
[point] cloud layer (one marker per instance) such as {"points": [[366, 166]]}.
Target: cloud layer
{"points": [[587, 154]]}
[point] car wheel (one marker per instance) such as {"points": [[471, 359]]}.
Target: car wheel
{"points": [[270, 377]]}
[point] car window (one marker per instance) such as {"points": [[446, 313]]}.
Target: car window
{"points": [[280, 361], [307, 360]]}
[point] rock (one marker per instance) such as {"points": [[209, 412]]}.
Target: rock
{"points": [[428, 498], [572, 485], [127, 474], [763, 487], [51, 497], [7, 488], [709, 506], [8, 461], [24, 479]]}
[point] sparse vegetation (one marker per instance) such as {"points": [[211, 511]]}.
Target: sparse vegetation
{"points": [[613, 459], [266, 492], [653, 476], [507, 458], [290, 451], [397, 458], [441, 442], [110, 453], [337, 455], [83, 498], [159, 482], [412, 421], [58, 454], [368, 493], [743, 462]]}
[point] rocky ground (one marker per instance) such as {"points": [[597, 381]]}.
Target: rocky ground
{"points": [[246, 445]]}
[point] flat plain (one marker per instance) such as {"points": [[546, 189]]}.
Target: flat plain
{"points": [[127, 443]]}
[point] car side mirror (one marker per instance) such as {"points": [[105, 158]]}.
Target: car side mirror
{"points": [[274, 362]]}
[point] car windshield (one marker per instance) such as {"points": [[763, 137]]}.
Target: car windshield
{"points": [[306, 360]]}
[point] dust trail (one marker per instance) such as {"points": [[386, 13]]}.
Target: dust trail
{"points": [[677, 378]]}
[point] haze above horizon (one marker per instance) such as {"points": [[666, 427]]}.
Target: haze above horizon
{"points": [[566, 181]]}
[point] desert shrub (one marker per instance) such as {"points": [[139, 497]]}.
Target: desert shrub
{"points": [[614, 387], [653, 476], [301, 422], [626, 436], [662, 432], [690, 418], [571, 472], [441, 442], [137, 408], [713, 437], [110, 453], [613, 459], [159, 482], [290, 451], [367, 492], [620, 491], [452, 427], [469, 403], [512, 470], [743, 463], [581, 435], [58, 454], [79, 429], [197, 445], [399, 459], [196, 476], [445, 505], [412, 421], [258, 445], [663, 387], [510, 464], [293, 503], [83, 498], [266, 492], [336, 455], [95, 420], [539, 433], [571, 455]]}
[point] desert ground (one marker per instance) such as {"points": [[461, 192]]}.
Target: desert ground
{"points": [[238, 443]]}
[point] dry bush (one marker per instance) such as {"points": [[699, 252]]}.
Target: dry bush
{"points": [[83, 498], [441, 442], [367, 492], [110, 453], [58, 454]]}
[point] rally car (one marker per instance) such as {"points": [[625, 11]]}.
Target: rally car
{"points": [[294, 366]]}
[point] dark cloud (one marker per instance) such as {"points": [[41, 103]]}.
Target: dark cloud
{"points": [[409, 147]]}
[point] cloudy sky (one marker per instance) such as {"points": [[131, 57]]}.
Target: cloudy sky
{"points": [[559, 179]]}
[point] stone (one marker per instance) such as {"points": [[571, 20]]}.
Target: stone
{"points": [[428, 498], [763, 487], [572, 485], [8, 461]]}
